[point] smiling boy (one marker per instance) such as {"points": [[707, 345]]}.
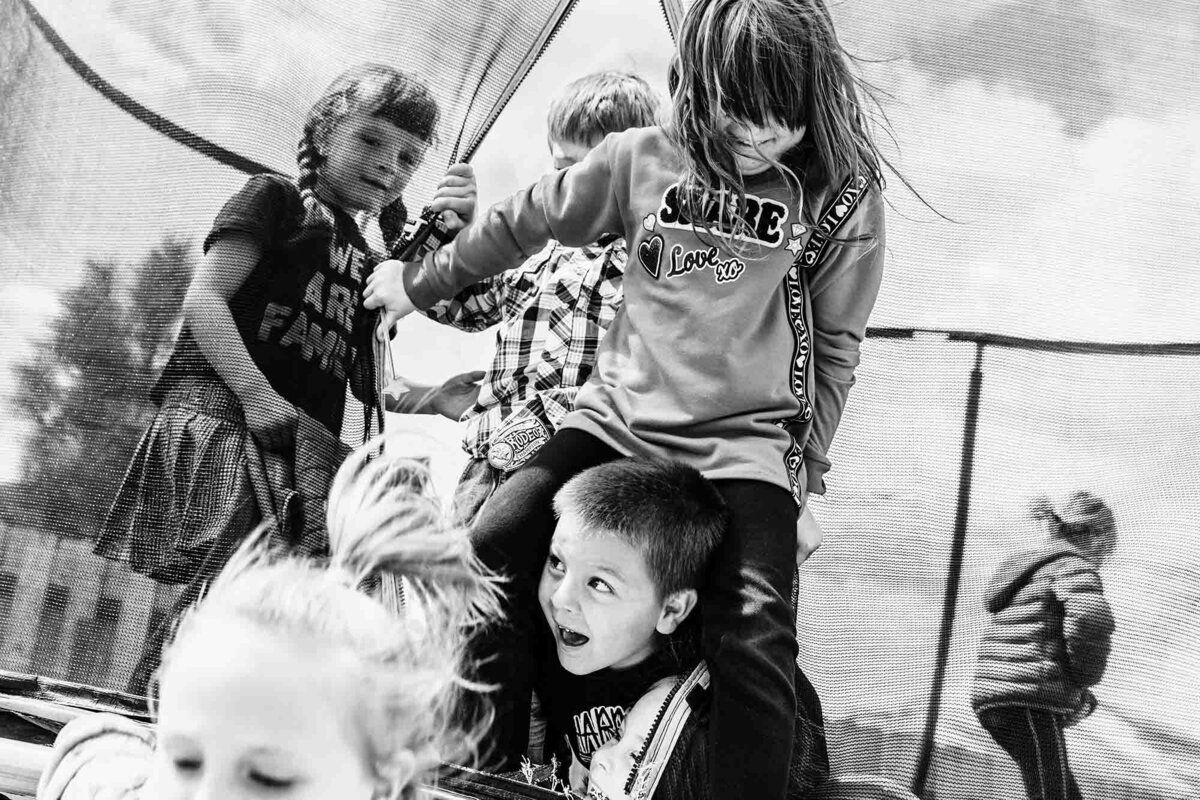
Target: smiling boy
{"points": [[620, 583]]}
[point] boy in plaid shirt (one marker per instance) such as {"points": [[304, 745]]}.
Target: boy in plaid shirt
{"points": [[552, 312]]}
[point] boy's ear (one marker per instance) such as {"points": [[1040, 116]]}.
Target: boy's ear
{"points": [[675, 610]]}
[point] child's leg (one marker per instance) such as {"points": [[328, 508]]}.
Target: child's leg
{"points": [[478, 482], [810, 752], [512, 535], [212, 563], [750, 643], [1035, 741]]}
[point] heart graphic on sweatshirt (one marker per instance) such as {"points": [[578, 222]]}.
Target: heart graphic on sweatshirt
{"points": [[648, 222], [650, 254]]}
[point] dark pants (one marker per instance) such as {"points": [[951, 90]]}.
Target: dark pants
{"points": [[1034, 739], [749, 627]]}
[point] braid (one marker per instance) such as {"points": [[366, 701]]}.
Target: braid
{"points": [[392, 220], [309, 159]]}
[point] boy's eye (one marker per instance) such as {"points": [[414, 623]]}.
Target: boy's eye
{"points": [[600, 586], [371, 140], [186, 764], [554, 563]]}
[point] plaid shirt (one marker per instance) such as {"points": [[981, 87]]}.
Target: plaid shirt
{"points": [[553, 311]]}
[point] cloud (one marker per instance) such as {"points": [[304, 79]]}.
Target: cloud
{"points": [[1052, 52], [1057, 235], [1087, 60]]}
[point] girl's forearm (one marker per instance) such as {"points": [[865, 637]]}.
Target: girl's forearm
{"points": [[207, 316]]}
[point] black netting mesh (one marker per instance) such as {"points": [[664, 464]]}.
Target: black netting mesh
{"points": [[101, 217]]}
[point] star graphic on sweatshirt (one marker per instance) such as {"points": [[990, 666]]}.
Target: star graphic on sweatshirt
{"points": [[794, 244]]}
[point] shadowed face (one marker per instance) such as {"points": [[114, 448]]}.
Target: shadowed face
{"points": [[568, 154], [755, 144]]}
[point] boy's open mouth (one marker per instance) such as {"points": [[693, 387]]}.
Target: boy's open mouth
{"points": [[571, 638], [372, 182]]}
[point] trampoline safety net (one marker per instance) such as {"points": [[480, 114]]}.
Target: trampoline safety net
{"points": [[1034, 343]]}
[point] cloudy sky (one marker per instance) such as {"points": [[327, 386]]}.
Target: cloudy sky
{"points": [[1062, 137]]}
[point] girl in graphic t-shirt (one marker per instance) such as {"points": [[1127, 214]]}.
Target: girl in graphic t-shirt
{"points": [[755, 226], [273, 325]]}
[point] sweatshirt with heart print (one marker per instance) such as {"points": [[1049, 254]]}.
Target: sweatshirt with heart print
{"points": [[734, 352]]}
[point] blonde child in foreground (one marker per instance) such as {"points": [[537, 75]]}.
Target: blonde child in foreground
{"points": [[288, 680]]}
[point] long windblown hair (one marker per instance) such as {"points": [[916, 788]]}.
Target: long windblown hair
{"points": [[375, 89], [413, 663], [763, 62]]}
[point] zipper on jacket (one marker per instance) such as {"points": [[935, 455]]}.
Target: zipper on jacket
{"points": [[658, 718]]}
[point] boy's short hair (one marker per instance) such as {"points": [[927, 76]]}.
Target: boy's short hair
{"points": [[667, 510], [601, 103]]}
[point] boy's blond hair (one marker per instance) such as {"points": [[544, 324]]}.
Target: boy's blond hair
{"points": [[601, 103]]}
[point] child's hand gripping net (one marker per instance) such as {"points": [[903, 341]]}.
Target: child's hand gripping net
{"points": [[385, 290]]}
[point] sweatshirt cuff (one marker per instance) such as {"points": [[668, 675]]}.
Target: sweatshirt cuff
{"points": [[814, 473], [419, 284]]}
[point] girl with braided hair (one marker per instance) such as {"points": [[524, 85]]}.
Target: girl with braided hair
{"points": [[274, 333]]}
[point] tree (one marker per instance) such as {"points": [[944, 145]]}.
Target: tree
{"points": [[86, 387]]}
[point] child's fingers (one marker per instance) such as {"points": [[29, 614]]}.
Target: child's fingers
{"points": [[455, 193], [808, 536], [463, 207], [461, 170], [384, 328], [375, 289], [372, 299], [456, 182], [384, 270], [454, 221], [453, 202]]}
